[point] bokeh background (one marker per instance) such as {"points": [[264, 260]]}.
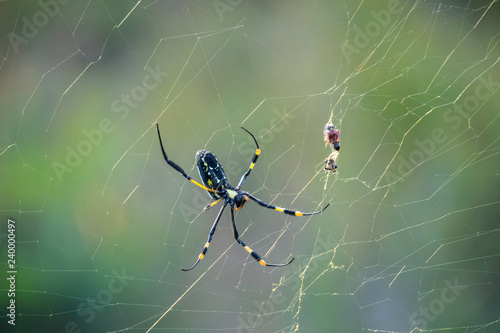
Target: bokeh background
{"points": [[103, 224]]}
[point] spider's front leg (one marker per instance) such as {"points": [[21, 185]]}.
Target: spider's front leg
{"points": [[254, 254], [210, 235], [210, 205], [281, 209]]}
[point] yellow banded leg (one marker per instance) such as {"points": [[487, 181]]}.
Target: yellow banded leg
{"points": [[254, 254], [203, 187], [207, 207], [210, 236], [257, 153], [252, 164], [280, 209], [178, 168]]}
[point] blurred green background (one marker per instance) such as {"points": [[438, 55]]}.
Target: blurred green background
{"points": [[103, 224]]}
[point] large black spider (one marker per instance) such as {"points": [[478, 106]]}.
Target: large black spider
{"points": [[216, 184]]}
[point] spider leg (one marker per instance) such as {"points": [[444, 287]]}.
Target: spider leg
{"points": [[249, 250], [283, 210], [210, 235], [210, 205], [254, 159], [178, 168]]}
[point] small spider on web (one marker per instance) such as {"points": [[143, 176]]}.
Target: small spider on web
{"points": [[331, 135]]}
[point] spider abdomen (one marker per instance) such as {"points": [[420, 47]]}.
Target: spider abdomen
{"points": [[211, 172]]}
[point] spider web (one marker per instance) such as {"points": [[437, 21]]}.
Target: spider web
{"points": [[103, 224]]}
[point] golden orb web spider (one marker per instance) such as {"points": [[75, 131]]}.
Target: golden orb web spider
{"points": [[216, 184]]}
